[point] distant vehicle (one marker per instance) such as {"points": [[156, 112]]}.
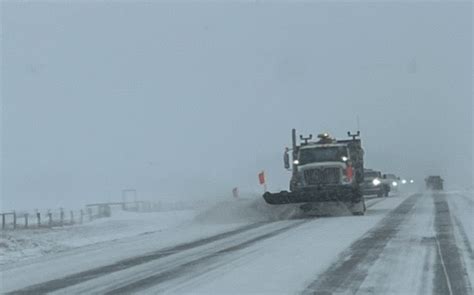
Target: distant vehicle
{"points": [[434, 182], [327, 170], [374, 184], [391, 180]]}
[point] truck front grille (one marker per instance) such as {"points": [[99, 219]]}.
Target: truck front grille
{"points": [[319, 176]]}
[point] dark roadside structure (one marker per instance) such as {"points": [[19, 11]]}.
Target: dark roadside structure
{"points": [[323, 171], [434, 182]]}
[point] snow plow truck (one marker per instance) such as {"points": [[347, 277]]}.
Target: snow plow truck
{"points": [[324, 171]]}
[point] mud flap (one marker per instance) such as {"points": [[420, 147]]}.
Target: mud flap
{"points": [[359, 208]]}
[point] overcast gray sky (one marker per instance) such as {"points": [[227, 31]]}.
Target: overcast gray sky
{"points": [[189, 100]]}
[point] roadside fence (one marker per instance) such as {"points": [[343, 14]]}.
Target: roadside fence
{"points": [[42, 218], [48, 218]]}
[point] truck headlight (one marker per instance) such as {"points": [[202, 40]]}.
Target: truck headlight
{"points": [[394, 183], [296, 162], [376, 181]]}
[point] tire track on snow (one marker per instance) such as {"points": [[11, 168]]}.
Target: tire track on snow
{"points": [[80, 277], [351, 269]]}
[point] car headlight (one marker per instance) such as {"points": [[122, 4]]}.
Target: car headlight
{"points": [[394, 183], [376, 181], [404, 181]]}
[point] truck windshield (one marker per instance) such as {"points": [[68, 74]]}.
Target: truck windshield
{"points": [[322, 154]]}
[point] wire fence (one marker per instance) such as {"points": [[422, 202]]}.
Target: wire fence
{"points": [[43, 219], [48, 218]]}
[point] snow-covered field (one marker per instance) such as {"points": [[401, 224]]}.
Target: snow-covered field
{"points": [[26, 244], [402, 246]]}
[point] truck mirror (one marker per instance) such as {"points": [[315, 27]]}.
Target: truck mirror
{"points": [[286, 159]]}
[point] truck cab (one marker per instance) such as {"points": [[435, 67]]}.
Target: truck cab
{"points": [[319, 165]]}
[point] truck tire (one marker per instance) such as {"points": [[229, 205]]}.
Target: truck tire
{"points": [[386, 191]]}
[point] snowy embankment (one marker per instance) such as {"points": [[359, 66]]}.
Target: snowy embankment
{"points": [[23, 245]]}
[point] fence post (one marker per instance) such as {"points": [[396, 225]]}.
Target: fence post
{"points": [[50, 221], [89, 212], [61, 216], [38, 217], [26, 220], [3, 221], [72, 217], [14, 220], [81, 220]]}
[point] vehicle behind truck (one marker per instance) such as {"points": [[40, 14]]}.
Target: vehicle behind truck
{"points": [[375, 184], [324, 171], [392, 181], [434, 182]]}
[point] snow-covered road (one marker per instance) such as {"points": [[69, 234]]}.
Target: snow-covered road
{"points": [[407, 244]]}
